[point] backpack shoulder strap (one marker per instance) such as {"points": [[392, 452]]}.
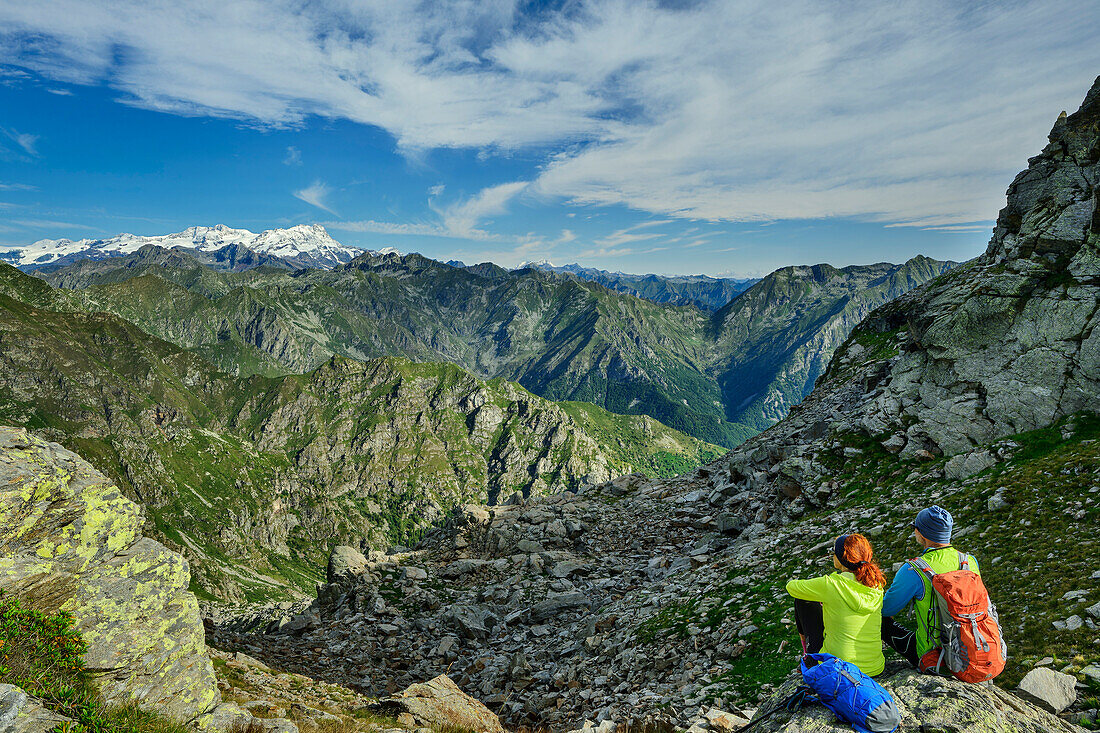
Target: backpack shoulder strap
{"points": [[964, 561], [922, 567]]}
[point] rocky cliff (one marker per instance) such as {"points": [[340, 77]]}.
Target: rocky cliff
{"points": [[69, 540]]}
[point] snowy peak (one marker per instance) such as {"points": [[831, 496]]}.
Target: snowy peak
{"points": [[302, 246]]}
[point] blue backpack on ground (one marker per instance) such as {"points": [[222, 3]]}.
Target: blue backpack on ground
{"points": [[853, 697]]}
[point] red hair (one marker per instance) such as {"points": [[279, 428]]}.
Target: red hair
{"points": [[857, 549]]}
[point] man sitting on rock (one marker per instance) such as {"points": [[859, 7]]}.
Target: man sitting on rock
{"points": [[932, 529]]}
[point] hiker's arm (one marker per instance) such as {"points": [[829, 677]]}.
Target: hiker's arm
{"points": [[907, 585], [808, 590]]}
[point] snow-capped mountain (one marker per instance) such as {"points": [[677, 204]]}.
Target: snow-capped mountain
{"points": [[302, 246]]}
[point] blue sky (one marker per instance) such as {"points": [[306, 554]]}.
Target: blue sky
{"points": [[676, 137]]}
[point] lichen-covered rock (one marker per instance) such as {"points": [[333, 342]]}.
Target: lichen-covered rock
{"points": [[20, 713], [929, 704], [69, 540], [439, 703]]}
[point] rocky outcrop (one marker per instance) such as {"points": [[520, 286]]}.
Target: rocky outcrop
{"points": [[1004, 344], [1048, 689], [69, 540], [927, 704]]}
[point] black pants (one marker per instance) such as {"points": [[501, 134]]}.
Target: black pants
{"points": [[900, 639], [810, 623]]}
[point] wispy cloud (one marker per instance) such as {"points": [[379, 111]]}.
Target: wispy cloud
{"points": [[54, 224], [633, 233], [386, 227], [315, 195], [17, 187], [23, 140], [749, 111], [293, 156], [461, 219]]}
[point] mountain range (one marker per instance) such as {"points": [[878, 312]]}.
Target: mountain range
{"points": [[302, 246], [702, 291], [720, 377], [295, 460]]}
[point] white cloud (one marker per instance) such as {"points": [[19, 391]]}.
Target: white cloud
{"points": [[17, 187], [462, 218], [315, 195], [24, 140], [293, 156], [914, 112]]}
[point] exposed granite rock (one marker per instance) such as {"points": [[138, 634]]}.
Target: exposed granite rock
{"points": [[69, 540], [1004, 344]]}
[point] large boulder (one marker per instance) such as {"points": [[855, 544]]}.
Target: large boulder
{"points": [[440, 704], [926, 703], [344, 564], [1048, 689], [69, 540]]}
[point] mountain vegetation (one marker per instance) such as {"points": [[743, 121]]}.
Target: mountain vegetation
{"points": [[369, 451], [720, 377]]}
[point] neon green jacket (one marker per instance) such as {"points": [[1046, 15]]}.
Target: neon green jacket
{"points": [[853, 618]]}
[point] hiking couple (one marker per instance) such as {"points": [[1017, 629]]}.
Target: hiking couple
{"points": [[849, 614]]}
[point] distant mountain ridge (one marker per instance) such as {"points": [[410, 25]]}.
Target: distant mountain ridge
{"points": [[721, 377], [704, 292], [297, 247]]}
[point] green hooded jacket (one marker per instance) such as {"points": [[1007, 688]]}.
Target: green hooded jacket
{"points": [[853, 618]]}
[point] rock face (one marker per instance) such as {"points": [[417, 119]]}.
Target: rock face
{"points": [[929, 704], [439, 703], [69, 540], [1004, 344]]}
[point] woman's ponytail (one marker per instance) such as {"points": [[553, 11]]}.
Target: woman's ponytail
{"points": [[858, 552]]}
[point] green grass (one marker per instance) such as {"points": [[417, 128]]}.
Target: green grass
{"points": [[43, 654]]}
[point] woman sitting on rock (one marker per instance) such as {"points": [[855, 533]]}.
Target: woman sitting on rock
{"points": [[841, 613]]}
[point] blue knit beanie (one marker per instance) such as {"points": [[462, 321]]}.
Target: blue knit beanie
{"points": [[935, 524]]}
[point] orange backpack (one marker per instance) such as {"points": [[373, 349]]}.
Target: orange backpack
{"points": [[971, 645]]}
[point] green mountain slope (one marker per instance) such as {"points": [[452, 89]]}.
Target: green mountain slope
{"points": [[253, 477], [779, 336], [720, 377]]}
